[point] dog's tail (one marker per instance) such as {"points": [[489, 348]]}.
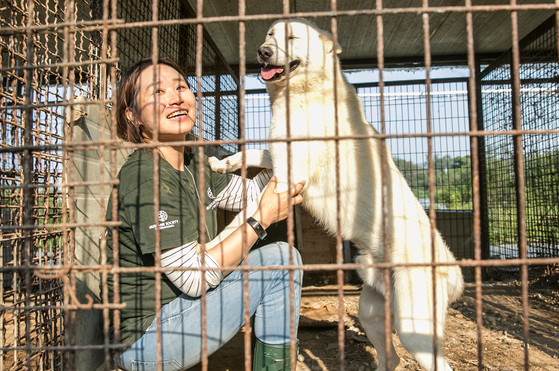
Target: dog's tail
{"points": [[455, 278], [455, 283]]}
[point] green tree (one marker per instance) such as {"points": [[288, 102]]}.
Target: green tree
{"points": [[452, 182], [416, 176]]}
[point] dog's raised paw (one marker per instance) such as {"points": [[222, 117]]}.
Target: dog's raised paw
{"points": [[220, 166]]}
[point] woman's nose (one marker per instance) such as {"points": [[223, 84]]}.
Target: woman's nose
{"points": [[175, 97]]}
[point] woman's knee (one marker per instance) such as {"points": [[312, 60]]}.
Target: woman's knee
{"points": [[280, 253], [291, 252]]}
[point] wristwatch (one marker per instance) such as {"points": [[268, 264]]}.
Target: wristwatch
{"points": [[261, 232]]}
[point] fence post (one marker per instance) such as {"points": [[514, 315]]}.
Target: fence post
{"points": [[482, 160], [89, 204]]}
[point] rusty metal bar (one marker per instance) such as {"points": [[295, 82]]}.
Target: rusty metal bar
{"points": [[472, 105], [156, 183], [27, 171], [64, 64], [290, 181], [329, 266], [85, 26], [201, 177], [67, 197], [339, 241], [385, 206], [116, 145], [519, 176], [431, 170], [241, 114], [104, 294]]}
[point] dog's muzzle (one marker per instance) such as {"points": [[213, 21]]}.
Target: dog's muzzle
{"points": [[271, 72], [264, 54]]}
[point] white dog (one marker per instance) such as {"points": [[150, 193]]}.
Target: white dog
{"points": [[313, 69]]}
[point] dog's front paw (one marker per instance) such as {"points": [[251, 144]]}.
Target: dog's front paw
{"points": [[220, 166]]}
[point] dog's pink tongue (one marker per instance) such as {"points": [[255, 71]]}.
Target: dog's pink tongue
{"points": [[269, 72]]}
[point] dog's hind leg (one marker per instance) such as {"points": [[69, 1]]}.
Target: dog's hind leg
{"points": [[413, 315], [371, 316]]}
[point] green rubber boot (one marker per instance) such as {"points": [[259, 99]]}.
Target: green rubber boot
{"points": [[271, 357]]}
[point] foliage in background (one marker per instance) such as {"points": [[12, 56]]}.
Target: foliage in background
{"points": [[453, 191], [452, 182], [542, 196]]}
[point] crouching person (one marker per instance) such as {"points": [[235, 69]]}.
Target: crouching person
{"points": [[158, 96]]}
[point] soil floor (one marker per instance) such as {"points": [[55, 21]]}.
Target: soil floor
{"points": [[502, 334]]}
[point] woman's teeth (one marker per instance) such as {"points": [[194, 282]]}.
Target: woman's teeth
{"points": [[177, 114]]}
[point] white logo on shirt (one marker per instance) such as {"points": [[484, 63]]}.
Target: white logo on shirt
{"points": [[210, 194], [164, 224], [162, 216]]}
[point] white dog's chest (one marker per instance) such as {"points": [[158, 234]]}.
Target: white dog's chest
{"points": [[306, 119]]}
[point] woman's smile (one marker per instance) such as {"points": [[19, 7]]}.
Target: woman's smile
{"points": [[178, 115]]}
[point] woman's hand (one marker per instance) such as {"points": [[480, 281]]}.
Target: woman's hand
{"points": [[274, 206]]}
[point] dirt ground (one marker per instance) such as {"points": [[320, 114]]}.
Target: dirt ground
{"points": [[503, 347]]}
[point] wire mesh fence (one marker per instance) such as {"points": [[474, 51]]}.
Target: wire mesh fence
{"points": [[538, 99], [60, 62]]}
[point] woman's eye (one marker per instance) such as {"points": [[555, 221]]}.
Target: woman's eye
{"points": [[158, 91], [182, 87]]}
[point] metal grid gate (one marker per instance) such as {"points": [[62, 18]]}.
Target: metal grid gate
{"points": [[539, 106], [57, 60], [53, 52]]}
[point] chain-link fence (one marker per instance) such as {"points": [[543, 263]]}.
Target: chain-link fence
{"points": [[538, 155]]}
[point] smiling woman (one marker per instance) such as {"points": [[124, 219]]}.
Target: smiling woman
{"points": [[165, 102], [155, 99]]}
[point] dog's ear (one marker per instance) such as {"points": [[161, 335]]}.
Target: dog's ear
{"points": [[330, 44]]}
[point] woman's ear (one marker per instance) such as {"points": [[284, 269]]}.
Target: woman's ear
{"points": [[129, 115]]}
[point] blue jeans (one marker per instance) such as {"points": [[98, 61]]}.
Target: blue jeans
{"points": [[181, 324]]}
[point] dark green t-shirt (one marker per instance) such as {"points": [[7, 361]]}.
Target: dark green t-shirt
{"points": [[178, 218]]}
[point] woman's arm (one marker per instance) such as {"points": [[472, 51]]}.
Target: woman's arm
{"points": [[228, 251], [186, 256], [231, 198]]}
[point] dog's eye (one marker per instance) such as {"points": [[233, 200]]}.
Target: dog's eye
{"points": [[292, 37], [271, 33]]}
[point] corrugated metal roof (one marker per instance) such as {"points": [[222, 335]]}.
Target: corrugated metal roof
{"points": [[403, 32]]}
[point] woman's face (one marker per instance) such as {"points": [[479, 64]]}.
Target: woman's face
{"points": [[167, 100]]}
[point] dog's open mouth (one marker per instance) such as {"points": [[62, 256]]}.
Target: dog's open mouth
{"points": [[271, 73]]}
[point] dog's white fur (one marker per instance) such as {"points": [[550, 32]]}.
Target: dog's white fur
{"points": [[312, 114]]}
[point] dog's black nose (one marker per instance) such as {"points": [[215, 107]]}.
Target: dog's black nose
{"points": [[264, 53]]}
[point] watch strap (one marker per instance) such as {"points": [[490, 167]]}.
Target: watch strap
{"points": [[261, 232]]}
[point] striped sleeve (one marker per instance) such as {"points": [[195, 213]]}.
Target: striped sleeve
{"points": [[231, 198], [190, 281]]}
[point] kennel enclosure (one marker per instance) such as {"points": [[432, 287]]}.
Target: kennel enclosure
{"points": [[60, 155]]}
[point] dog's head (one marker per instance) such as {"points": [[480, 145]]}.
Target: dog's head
{"points": [[308, 49]]}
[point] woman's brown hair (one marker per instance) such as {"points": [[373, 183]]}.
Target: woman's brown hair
{"points": [[126, 99]]}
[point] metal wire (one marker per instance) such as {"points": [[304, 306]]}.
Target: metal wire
{"points": [[538, 104]]}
